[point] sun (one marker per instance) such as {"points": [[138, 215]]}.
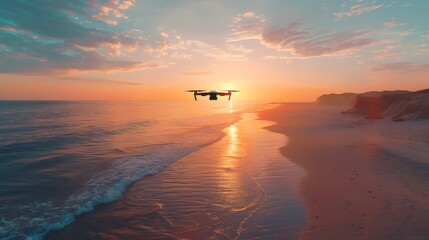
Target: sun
{"points": [[228, 86]]}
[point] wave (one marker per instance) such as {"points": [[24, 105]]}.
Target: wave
{"points": [[33, 221], [60, 136]]}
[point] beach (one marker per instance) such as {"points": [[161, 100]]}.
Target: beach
{"points": [[217, 120], [253, 171], [365, 179]]}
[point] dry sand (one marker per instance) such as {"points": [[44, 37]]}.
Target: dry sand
{"points": [[365, 179]]}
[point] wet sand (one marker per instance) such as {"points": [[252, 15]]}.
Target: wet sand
{"points": [[365, 179], [238, 188]]}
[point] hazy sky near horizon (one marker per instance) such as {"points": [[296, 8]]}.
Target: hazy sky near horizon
{"points": [[271, 50]]}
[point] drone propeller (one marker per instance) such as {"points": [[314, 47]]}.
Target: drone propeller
{"points": [[195, 90], [230, 93]]}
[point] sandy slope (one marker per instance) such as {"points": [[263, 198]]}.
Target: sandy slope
{"points": [[365, 179]]}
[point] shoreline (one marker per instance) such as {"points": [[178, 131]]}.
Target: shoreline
{"points": [[357, 183], [282, 213], [208, 193]]}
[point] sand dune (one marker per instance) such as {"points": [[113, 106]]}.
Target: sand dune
{"points": [[397, 105]]}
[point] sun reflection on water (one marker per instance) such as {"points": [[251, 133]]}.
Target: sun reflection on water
{"points": [[230, 179], [234, 141]]}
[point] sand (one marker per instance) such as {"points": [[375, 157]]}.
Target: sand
{"points": [[364, 179]]}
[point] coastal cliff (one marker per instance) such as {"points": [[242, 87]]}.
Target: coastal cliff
{"points": [[397, 105], [343, 99]]}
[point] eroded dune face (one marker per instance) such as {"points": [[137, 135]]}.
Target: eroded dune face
{"points": [[397, 105]]}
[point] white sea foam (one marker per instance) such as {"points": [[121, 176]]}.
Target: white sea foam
{"points": [[37, 219]]}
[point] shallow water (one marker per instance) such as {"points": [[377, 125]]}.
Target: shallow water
{"points": [[281, 215], [237, 188]]}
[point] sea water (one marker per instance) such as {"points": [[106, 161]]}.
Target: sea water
{"points": [[59, 159]]}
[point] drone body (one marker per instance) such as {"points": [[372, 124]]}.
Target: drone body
{"points": [[213, 95]]}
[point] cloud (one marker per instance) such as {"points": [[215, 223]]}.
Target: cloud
{"points": [[102, 81], [246, 26], [401, 67], [285, 59], [197, 73], [210, 50], [392, 24], [30, 56], [385, 56], [278, 57], [159, 46], [62, 36], [234, 47], [172, 45], [110, 10], [403, 33], [387, 53], [359, 9], [406, 5], [296, 38]]}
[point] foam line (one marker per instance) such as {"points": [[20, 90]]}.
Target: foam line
{"points": [[37, 219]]}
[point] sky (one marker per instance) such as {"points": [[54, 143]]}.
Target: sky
{"points": [[274, 50]]}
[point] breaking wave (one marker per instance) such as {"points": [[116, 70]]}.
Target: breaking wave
{"points": [[33, 221]]}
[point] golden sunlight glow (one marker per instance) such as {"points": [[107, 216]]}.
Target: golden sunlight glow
{"points": [[177, 55], [229, 162], [232, 150], [228, 86]]}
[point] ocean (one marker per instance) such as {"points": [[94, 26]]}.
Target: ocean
{"points": [[81, 169]]}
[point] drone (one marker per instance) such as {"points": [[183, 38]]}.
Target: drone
{"points": [[213, 94]]}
